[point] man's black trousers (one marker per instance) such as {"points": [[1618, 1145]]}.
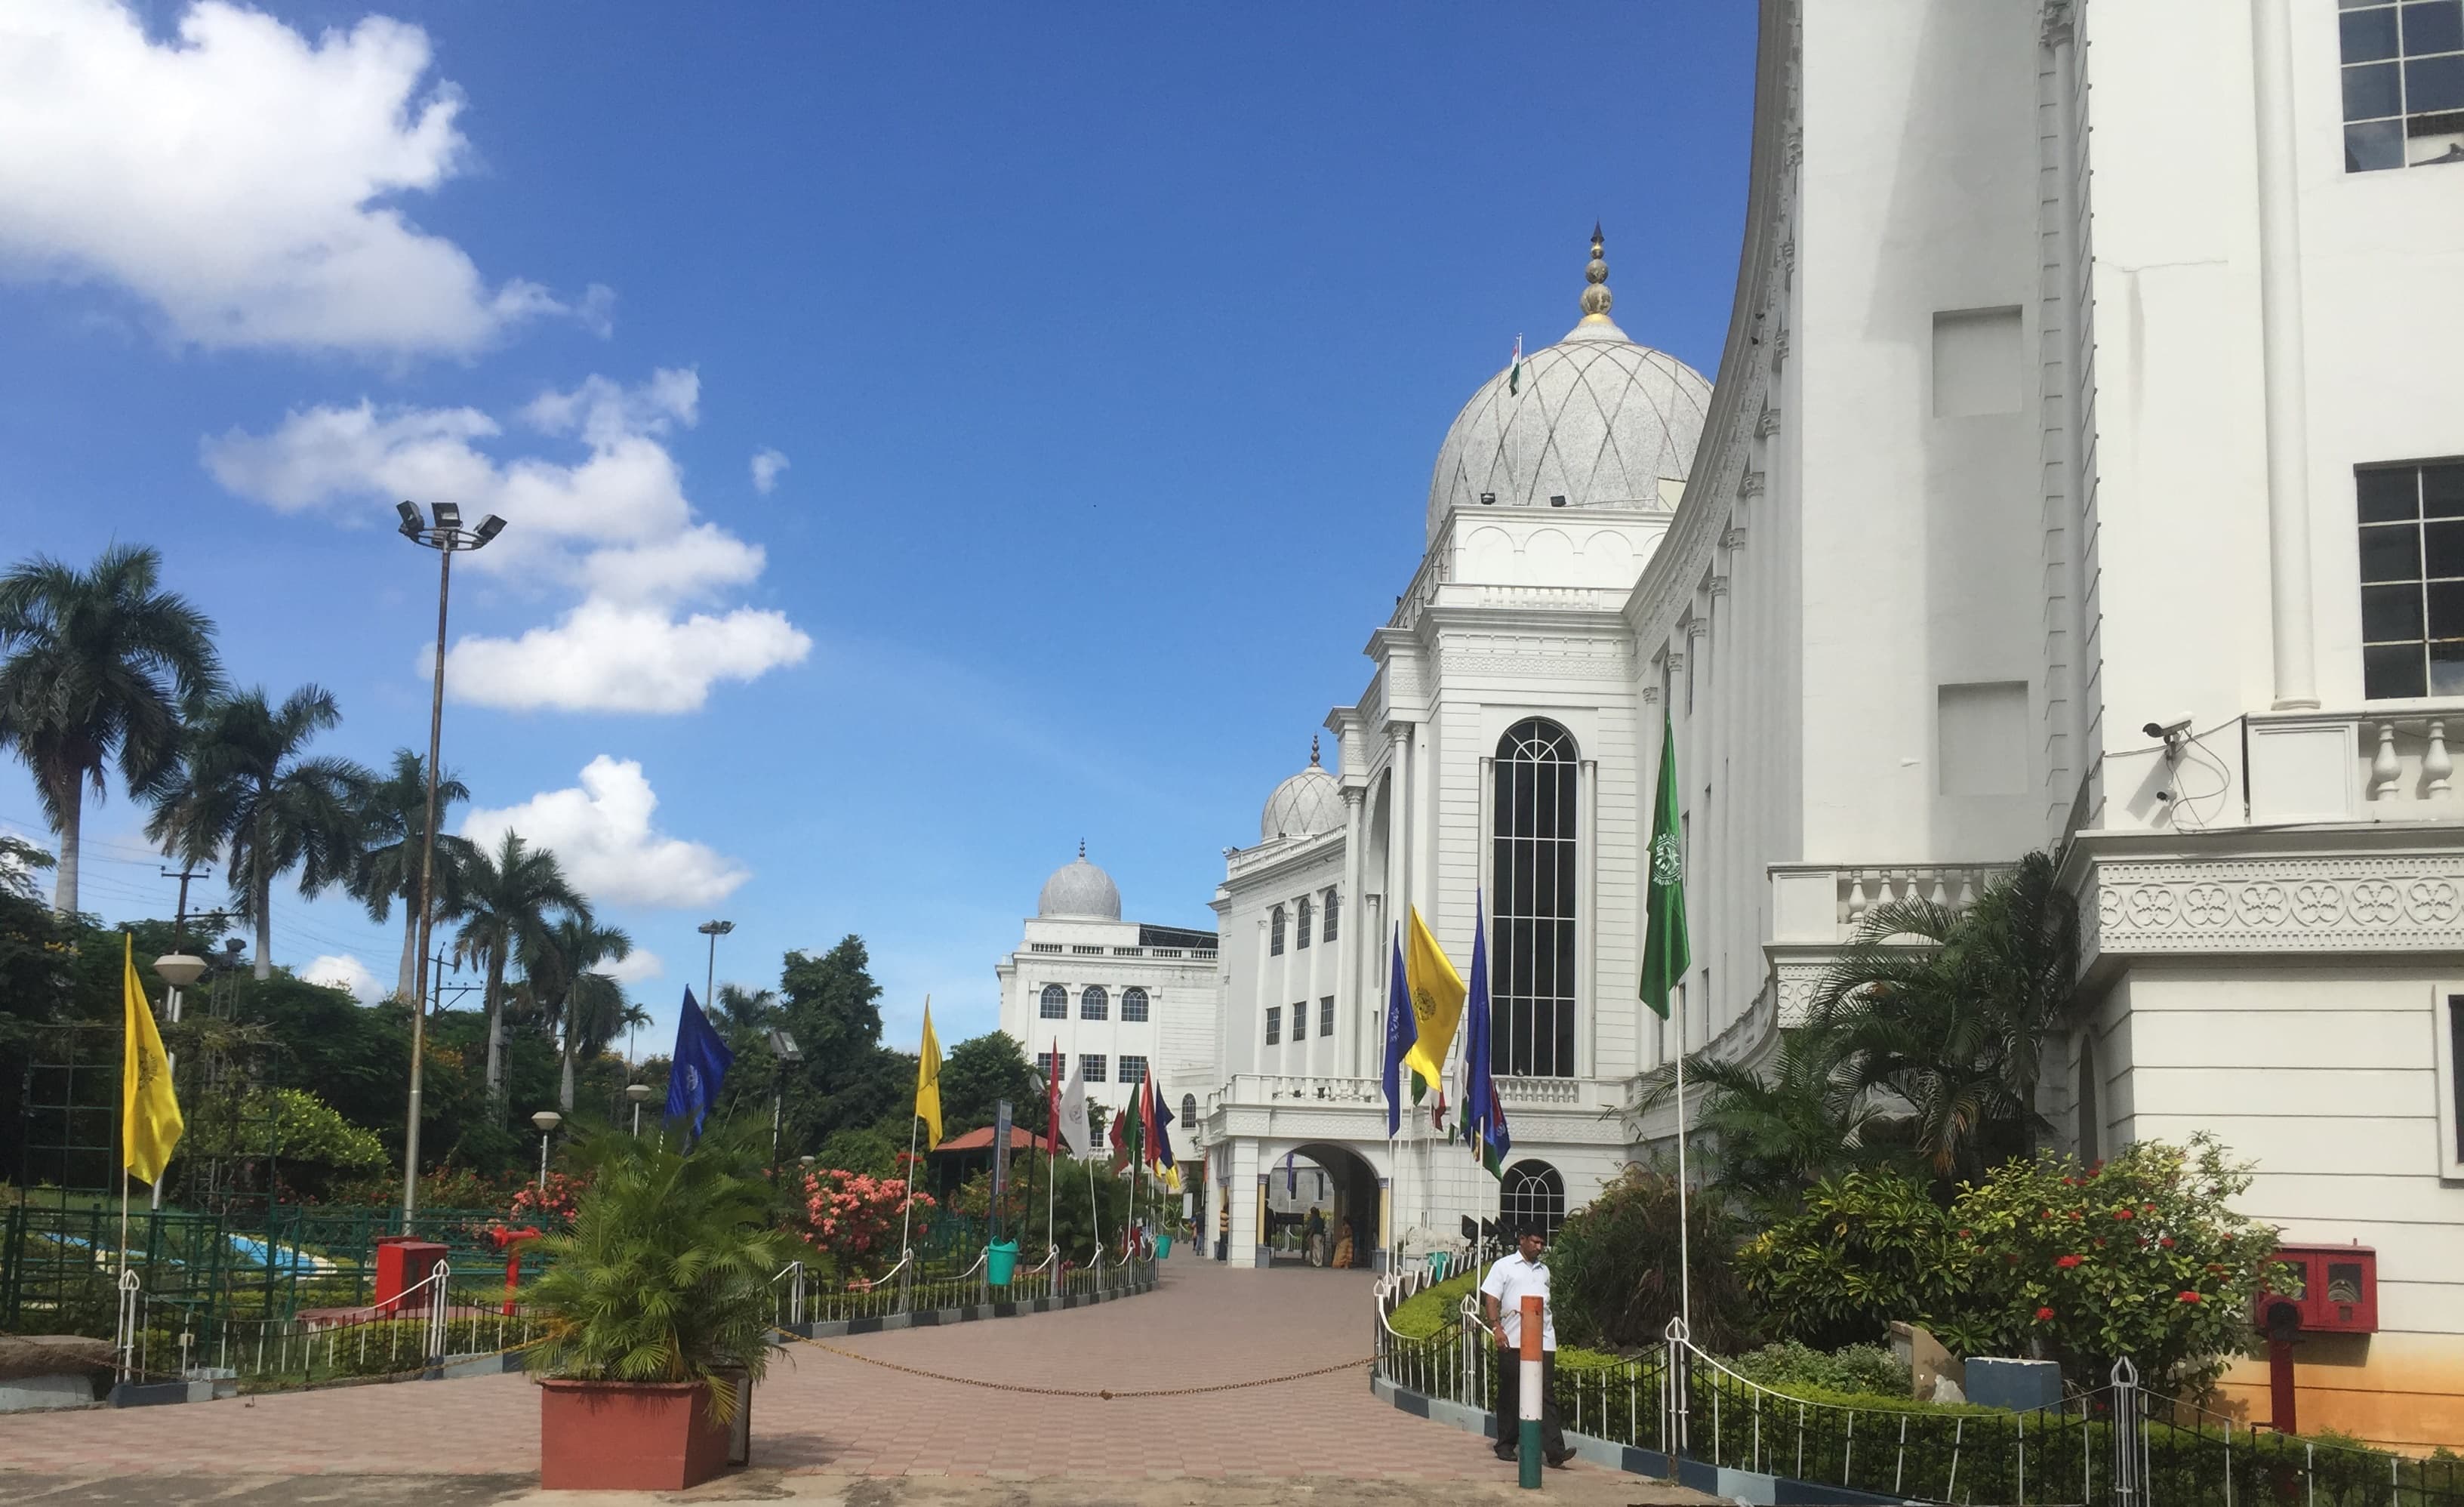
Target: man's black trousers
{"points": [[1509, 1403]]}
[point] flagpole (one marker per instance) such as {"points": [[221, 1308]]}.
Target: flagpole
{"points": [[907, 1210], [1684, 1234]]}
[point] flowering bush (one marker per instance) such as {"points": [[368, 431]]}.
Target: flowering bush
{"points": [[556, 1200], [852, 1218]]}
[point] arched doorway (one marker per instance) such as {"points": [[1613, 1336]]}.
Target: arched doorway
{"points": [[1532, 1194], [1336, 1183]]}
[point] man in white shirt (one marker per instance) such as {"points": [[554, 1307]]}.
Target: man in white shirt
{"points": [[1500, 1300]]}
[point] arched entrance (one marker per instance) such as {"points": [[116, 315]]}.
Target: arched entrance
{"points": [[1334, 1181]]}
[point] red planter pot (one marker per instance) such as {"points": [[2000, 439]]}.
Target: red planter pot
{"points": [[643, 1436]]}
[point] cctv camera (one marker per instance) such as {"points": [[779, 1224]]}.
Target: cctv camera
{"points": [[2168, 731]]}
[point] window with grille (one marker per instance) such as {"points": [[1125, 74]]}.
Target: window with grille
{"points": [[1053, 1065], [1300, 1021], [1134, 1070], [2403, 82], [1533, 931], [1093, 1003], [1274, 1025], [1333, 904], [1133, 1003], [1091, 1066], [1302, 939], [1275, 934], [1056, 1003], [1532, 1195], [2413, 579], [1325, 1015], [1189, 1109]]}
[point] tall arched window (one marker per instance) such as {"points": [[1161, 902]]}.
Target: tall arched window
{"points": [[1189, 1114], [1133, 1003], [1093, 1003], [1303, 917], [1056, 1003], [1532, 926], [1532, 1194], [1333, 907], [1275, 934]]}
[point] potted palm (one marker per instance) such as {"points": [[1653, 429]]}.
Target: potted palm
{"points": [[657, 1310]]}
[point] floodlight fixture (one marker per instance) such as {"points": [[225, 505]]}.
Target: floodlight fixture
{"points": [[411, 521], [782, 1045], [449, 514], [490, 527]]}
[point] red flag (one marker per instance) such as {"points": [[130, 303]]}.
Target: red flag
{"points": [[1052, 1100], [1120, 1141], [1146, 1120]]}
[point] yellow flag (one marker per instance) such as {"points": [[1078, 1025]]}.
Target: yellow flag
{"points": [[149, 1115], [1437, 1001], [928, 1078]]}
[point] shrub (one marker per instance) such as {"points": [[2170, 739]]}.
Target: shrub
{"points": [[1614, 1269], [1792, 1367], [1870, 1247], [1432, 1308], [854, 1219]]}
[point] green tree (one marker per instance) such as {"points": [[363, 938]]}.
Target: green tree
{"points": [[1773, 1133], [247, 791], [1615, 1265], [744, 1017], [392, 816], [577, 1001], [93, 668], [511, 899], [977, 1074], [848, 1078], [1871, 1247]]}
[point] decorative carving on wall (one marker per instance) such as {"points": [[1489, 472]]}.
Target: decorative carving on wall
{"points": [[1734, 539], [2277, 904], [1768, 424]]}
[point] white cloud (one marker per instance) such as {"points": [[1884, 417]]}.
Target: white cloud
{"points": [[601, 832], [766, 465], [348, 973], [638, 966], [614, 526], [243, 178]]}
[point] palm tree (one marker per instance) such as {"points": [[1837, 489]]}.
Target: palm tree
{"points": [[247, 790], [1951, 1010], [96, 665], [576, 999], [746, 1014], [1778, 1133], [510, 900], [392, 816]]}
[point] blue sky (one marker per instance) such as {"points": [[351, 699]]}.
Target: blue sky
{"points": [[1107, 350]]}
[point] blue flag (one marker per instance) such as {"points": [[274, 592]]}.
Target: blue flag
{"points": [[1401, 1028], [1162, 1150], [700, 1064], [1483, 1118]]}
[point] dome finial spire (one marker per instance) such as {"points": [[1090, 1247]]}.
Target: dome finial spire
{"points": [[1082, 847], [1596, 280], [1313, 750]]}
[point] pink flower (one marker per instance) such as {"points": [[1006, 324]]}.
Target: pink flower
{"points": [[2068, 1261]]}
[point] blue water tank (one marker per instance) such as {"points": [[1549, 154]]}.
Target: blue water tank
{"points": [[2020, 1385]]}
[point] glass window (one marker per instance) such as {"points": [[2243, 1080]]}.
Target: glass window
{"points": [[1134, 1070], [1533, 1193], [2413, 579], [1133, 1003], [2403, 83], [1056, 1003], [1300, 1021], [1091, 1066], [1325, 1015], [1275, 934], [1334, 903], [2455, 1072], [1053, 1065], [1302, 937], [1188, 1110], [1532, 926], [1274, 1025], [1093, 1003]]}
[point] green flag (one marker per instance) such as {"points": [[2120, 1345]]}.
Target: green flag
{"points": [[1666, 957]]}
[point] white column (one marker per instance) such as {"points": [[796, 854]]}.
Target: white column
{"points": [[1348, 1009], [2280, 328]]}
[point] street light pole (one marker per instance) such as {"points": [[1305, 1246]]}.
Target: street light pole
{"points": [[447, 538], [546, 1120], [714, 930], [640, 1095]]}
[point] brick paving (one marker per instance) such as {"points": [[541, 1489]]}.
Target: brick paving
{"points": [[827, 1414]]}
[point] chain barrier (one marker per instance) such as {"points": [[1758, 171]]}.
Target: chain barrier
{"points": [[1100, 1394]]}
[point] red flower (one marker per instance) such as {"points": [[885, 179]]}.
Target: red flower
{"points": [[2068, 1261], [2190, 1298], [1966, 1234], [2124, 1213], [2044, 1314], [2167, 1242]]}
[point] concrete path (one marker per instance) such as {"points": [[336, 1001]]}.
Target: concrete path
{"points": [[827, 1415]]}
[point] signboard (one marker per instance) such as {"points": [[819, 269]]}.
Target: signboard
{"points": [[1001, 1155]]}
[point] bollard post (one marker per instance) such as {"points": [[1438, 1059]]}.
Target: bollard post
{"points": [[1530, 1396]]}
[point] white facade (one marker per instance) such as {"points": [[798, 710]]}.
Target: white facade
{"points": [[1131, 998]]}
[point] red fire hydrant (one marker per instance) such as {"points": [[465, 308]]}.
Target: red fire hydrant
{"points": [[511, 1242]]}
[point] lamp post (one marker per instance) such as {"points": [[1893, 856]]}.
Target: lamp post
{"points": [[783, 1053], [179, 970], [546, 1120], [447, 535], [640, 1094], [714, 930]]}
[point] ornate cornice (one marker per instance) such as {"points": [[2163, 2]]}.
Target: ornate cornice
{"points": [[2298, 903]]}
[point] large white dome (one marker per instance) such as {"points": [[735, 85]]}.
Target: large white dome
{"points": [[1596, 419], [1080, 889], [1303, 805]]}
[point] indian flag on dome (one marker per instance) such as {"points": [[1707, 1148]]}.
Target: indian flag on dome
{"points": [[1514, 369]]}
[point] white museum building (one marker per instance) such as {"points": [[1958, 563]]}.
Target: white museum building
{"points": [[2091, 371]]}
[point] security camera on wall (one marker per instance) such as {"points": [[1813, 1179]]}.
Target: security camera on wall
{"points": [[2168, 732]]}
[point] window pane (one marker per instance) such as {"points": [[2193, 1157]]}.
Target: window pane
{"points": [[2447, 669], [2392, 671], [2442, 491], [2370, 91], [2435, 137], [2436, 26], [2393, 613], [2443, 546], [2446, 610], [2386, 496], [2434, 84], [2367, 149], [2390, 553], [2368, 35]]}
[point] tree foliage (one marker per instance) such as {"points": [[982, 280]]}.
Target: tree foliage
{"points": [[1617, 1269]]}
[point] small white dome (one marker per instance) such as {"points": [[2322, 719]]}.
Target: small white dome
{"points": [[1596, 419], [1080, 889], [1303, 805]]}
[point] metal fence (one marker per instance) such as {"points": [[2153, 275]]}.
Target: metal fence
{"points": [[2115, 1446], [805, 1295]]}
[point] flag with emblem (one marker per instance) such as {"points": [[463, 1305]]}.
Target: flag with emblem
{"points": [[699, 1067], [1437, 1001], [1666, 956], [150, 1114], [1483, 1118]]}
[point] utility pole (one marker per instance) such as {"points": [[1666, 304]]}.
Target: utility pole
{"points": [[180, 918]]}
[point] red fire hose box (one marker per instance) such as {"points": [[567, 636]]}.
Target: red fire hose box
{"points": [[402, 1263]]}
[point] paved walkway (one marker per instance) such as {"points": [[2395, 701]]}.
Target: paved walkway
{"points": [[822, 1413]]}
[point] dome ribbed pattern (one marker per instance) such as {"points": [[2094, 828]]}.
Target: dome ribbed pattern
{"points": [[1080, 889], [1303, 805]]}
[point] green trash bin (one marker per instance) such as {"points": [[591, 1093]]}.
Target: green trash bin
{"points": [[1436, 1266], [1001, 1263], [1163, 1246]]}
